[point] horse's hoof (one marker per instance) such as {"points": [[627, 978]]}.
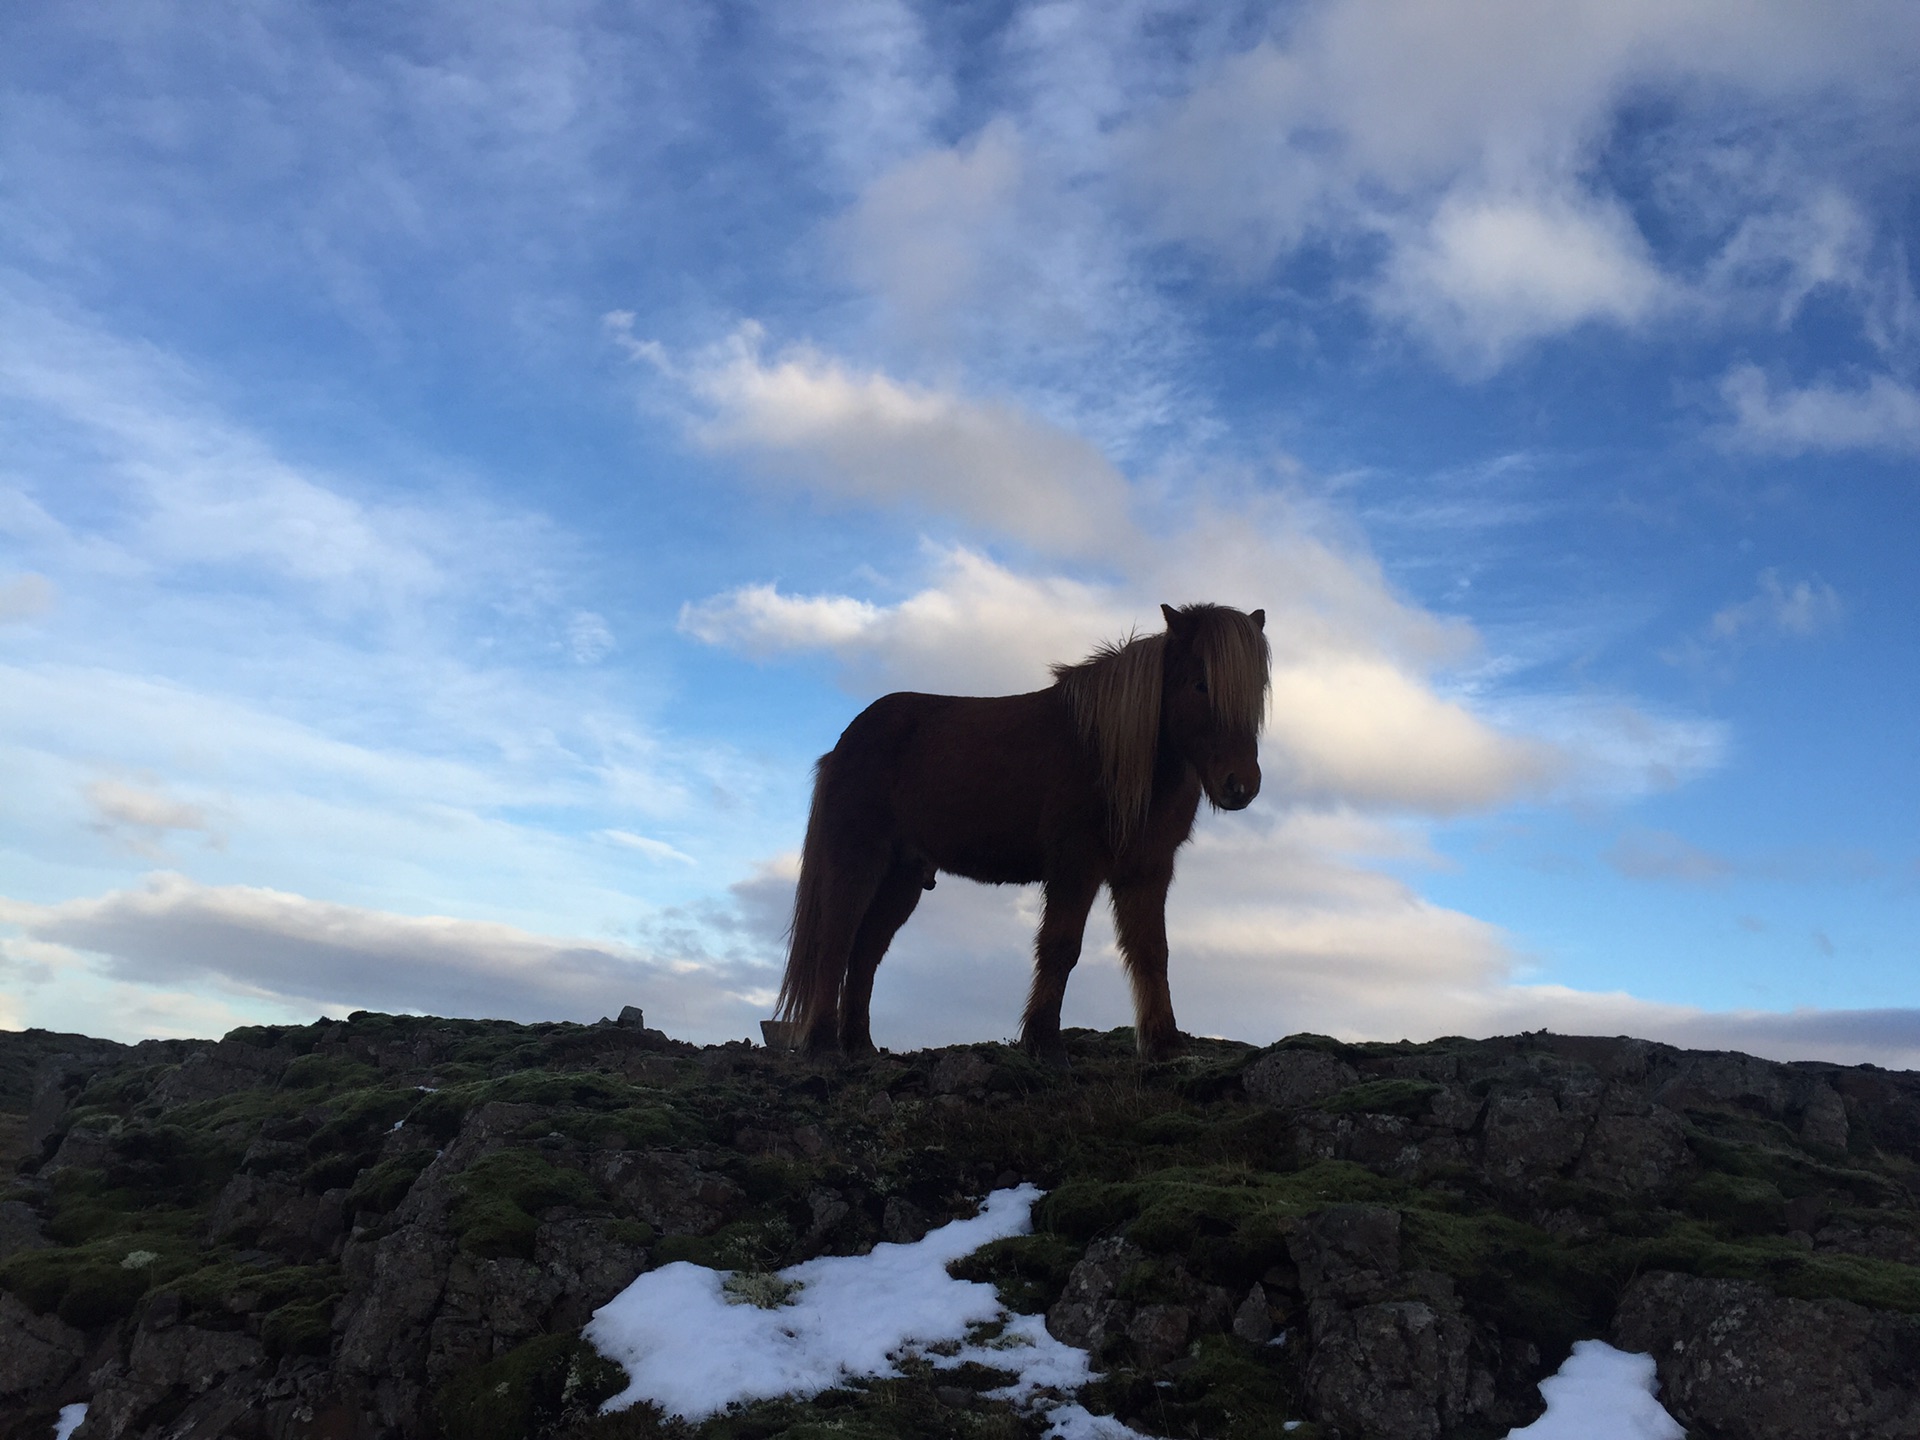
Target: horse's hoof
{"points": [[1169, 1047]]}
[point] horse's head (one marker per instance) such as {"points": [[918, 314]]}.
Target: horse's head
{"points": [[1214, 697]]}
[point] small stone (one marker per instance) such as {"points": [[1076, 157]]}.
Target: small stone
{"points": [[1823, 1124], [632, 1018], [1252, 1322], [903, 1222], [1159, 1333], [1289, 1079]]}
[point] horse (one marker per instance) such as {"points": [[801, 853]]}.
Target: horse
{"points": [[1095, 780]]}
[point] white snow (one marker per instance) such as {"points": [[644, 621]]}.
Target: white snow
{"points": [[69, 1421], [1602, 1394], [689, 1351]]}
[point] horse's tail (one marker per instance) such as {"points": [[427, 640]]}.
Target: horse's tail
{"points": [[815, 970]]}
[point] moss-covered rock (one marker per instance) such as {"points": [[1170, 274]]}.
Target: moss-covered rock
{"points": [[450, 1199]]}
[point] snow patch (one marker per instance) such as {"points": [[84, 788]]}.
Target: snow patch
{"points": [[692, 1347], [688, 1349], [1602, 1394]]}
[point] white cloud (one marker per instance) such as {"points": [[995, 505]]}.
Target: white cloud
{"points": [[1488, 275], [864, 436], [922, 233], [647, 846], [761, 621], [1355, 716], [1787, 251], [141, 816], [199, 490], [1282, 926], [259, 944], [1802, 609], [589, 638], [1286, 923], [1464, 134], [1360, 730], [979, 628], [25, 597], [1883, 415]]}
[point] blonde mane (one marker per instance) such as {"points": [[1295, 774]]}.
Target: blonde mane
{"points": [[1114, 695]]}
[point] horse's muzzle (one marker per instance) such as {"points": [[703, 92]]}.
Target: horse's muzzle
{"points": [[1236, 794]]}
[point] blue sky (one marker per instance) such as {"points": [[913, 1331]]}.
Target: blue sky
{"points": [[458, 466]]}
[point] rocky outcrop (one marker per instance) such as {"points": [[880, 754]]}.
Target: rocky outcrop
{"points": [[1392, 1354], [396, 1226], [1738, 1361]]}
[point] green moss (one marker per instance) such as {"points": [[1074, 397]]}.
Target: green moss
{"points": [[754, 1243], [527, 1391], [227, 1286], [1411, 1098], [304, 1327], [329, 1071], [1695, 1248], [630, 1232], [636, 1127], [1172, 1127], [692, 1249], [85, 1286], [1513, 1274], [1739, 1204], [1234, 1391], [499, 1196], [381, 1187], [1029, 1271], [1795, 1172], [1082, 1209]]}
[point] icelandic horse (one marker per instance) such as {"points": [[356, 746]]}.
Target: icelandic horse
{"points": [[1094, 781]]}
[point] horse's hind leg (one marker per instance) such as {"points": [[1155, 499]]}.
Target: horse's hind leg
{"points": [[1056, 950], [899, 892], [859, 873], [1140, 919]]}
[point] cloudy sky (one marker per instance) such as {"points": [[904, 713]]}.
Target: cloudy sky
{"points": [[459, 466]]}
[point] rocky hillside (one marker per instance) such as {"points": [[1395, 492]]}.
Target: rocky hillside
{"points": [[395, 1226]]}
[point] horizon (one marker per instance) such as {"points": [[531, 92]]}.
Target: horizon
{"points": [[458, 470]]}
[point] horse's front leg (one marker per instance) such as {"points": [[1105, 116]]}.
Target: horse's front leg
{"points": [[1140, 918], [1056, 950]]}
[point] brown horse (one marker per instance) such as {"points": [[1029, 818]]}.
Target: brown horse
{"points": [[1094, 780]]}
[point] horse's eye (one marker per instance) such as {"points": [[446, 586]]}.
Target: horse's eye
{"points": [[1201, 687]]}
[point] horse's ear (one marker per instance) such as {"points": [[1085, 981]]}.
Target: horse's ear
{"points": [[1259, 618], [1173, 616]]}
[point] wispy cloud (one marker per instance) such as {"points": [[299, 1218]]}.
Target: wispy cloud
{"points": [[1775, 611], [142, 815], [304, 954], [864, 436], [657, 850], [1883, 415], [1357, 715], [1801, 609], [1488, 275]]}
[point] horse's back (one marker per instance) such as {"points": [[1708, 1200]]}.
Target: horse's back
{"points": [[978, 784]]}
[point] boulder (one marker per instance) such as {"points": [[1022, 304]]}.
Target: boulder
{"points": [[1738, 1362]]}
